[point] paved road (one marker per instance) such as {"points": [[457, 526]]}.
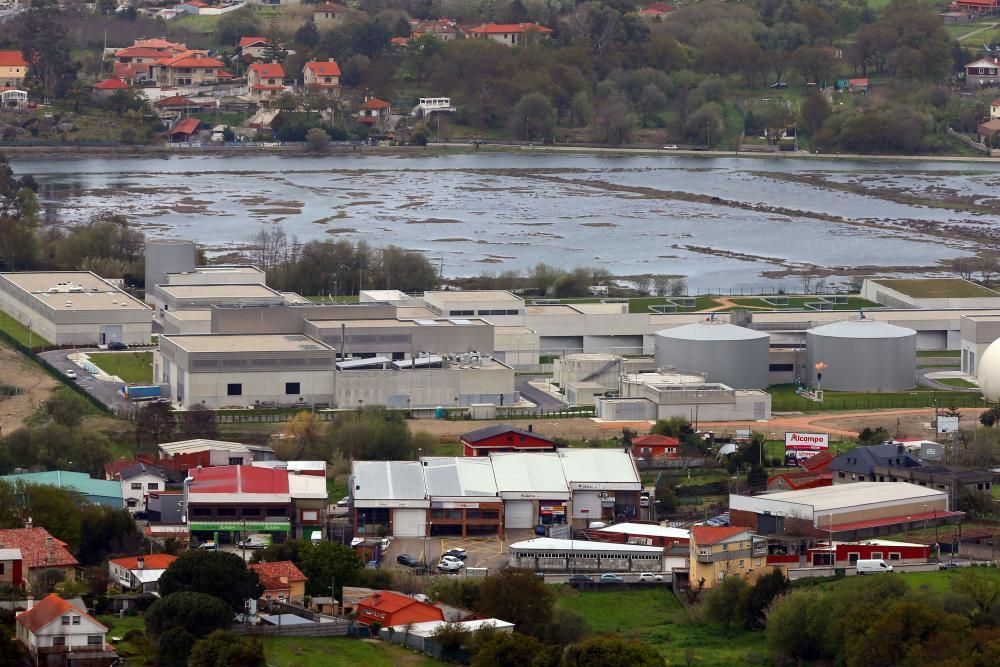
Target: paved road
{"points": [[540, 398], [105, 392]]}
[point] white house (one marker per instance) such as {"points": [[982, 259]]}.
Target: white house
{"points": [[139, 573], [137, 481], [56, 633]]}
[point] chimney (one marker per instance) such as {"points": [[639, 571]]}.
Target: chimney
{"points": [[29, 524], [140, 563]]}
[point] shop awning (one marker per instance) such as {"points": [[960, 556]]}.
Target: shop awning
{"points": [[247, 526]]}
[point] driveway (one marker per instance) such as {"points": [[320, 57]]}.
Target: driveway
{"points": [[104, 391]]}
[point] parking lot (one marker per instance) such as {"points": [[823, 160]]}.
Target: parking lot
{"points": [[488, 552]]}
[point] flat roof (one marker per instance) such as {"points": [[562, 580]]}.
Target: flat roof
{"points": [[936, 288], [453, 476], [388, 480], [294, 297], [218, 291], [858, 493], [415, 311], [189, 315], [219, 268], [397, 323], [116, 300], [473, 295], [601, 308], [83, 289], [552, 544], [239, 343], [594, 468], [551, 309], [306, 486], [202, 444], [539, 472], [385, 295], [41, 281], [646, 529]]}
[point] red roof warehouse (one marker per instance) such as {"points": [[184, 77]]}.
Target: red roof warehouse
{"points": [[387, 609], [502, 438]]}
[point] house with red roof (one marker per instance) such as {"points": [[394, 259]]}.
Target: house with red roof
{"points": [[444, 29], [329, 14], [321, 75], [726, 551], [139, 573], [656, 446], [13, 69], [254, 48], [813, 472], [975, 6], [388, 608], [56, 633], [132, 63], [281, 580], [502, 438], [374, 112], [266, 81], [184, 130], [656, 11], [39, 552], [107, 88], [511, 34], [189, 68]]}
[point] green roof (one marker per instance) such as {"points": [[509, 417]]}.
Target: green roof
{"points": [[95, 490], [938, 288]]}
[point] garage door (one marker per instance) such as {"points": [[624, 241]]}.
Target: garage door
{"points": [[587, 505], [111, 333], [408, 523], [519, 514], [932, 340]]}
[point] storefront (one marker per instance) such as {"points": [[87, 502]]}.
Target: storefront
{"points": [[466, 519], [552, 512]]}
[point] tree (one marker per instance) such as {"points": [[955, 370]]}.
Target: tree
{"points": [[867, 436], [304, 432], [224, 648], [500, 649], [41, 34], [217, 573], [329, 564], [814, 112], [761, 595], [274, 52], [317, 140], [155, 423], [196, 613], [52, 507], [104, 532], [236, 24], [18, 218], [990, 417], [795, 627], [307, 34], [174, 647], [725, 603], [651, 102], [533, 117], [520, 597], [757, 478], [612, 652], [910, 634], [706, 123], [66, 408], [984, 591], [198, 422], [371, 433]]}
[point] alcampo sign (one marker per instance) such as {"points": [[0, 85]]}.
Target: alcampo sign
{"points": [[807, 442]]}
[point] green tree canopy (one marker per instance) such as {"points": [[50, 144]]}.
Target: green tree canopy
{"points": [[520, 597], [196, 613], [612, 652], [223, 575], [223, 648]]}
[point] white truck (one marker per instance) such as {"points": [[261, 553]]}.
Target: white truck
{"points": [[872, 566]]}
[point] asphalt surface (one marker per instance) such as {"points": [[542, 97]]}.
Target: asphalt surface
{"points": [[536, 396], [105, 392]]}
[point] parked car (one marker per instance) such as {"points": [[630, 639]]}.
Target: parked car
{"points": [[779, 85], [408, 560], [386, 543], [460, 554], [580, 579], [612, 579], [71, 374], [452, 559], [947, 566], [699, 147], [344, 502], [650, 577], [117, 345], [644, 501], [539, 529], [670, 147], [450, 565]]}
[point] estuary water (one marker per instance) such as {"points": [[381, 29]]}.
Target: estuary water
{"points": [[719, 221]]}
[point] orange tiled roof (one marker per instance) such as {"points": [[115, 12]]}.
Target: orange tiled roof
{"points": [[375, 103], [250, 41], [657, 440], [111, 84], [158, 44], [186, 126], [12, 59], [47, 610], [268, 70], [150, 562], [190, 59], [35, 549], [323, 68], [703, 535], [278, 575], [138, 52], [502, 28]]}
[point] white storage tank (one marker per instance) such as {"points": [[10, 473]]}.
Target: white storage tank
{"points": [[728, 354], [989, 372], [604, 369], [862, 355]]}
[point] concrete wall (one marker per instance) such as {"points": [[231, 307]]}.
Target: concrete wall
{"points": [[290, 319], [404, 338], [165, 256], [427, 388]]}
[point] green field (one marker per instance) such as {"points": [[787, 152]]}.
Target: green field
{"points": [[799, 303], [655, 616], [131, 651], [940, 353], [937, 288], [958, 382], [784, 399], [339, 652], [21, 333], [131, 367]]}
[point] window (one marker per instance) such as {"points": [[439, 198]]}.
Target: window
{"points": [[137, 486], [841, 475], [876, 555], [65, 620], [235, 460], [895, 555], [225, 511], [741, 563], [234, 389], [153, 486], [94, 640], [852, 557], [201, 511], [292, 388], [310, 515], [76, 620], [2, 568], [778, 368], [276, 511], [58, 641], [250, 511]]}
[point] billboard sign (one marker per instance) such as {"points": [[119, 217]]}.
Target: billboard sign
{"points": [[947, 424], [807, 442]]}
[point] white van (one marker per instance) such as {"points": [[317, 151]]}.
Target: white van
{"points": [[255, 542], [873, 566]]}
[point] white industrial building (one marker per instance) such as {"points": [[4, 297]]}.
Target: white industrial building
{"points": [[184, 322], [533, 488], [390, 494], [217, 274], [75, 308], [232, 370], [978, 332], [652, 396], [499, 307], [603, 483], [402, 386], [401, 339], [167, 298], [200, 451]]}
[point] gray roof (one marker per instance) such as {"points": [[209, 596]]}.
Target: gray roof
{"points": [[499, 429], [712, 330], [459, 477], [388, 480], [861, 460], [141, 469], [862, 329]]}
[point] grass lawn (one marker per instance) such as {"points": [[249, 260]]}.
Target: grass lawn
{"points": [[798, 303], [959, 382], [942, 580], [336, 487], [655, 616], [940, 353], [20, 333], [937, 288], [119, 626], [129, 366], [784, 399], [339, 652]]}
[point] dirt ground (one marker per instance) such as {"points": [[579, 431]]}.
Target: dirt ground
{"points": [[38, 386], [912, 423]]}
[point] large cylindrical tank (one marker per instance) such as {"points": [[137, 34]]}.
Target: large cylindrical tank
{"points": [[862, 355], [988, 374], [165, 256], [604, 369], [735, 356]]}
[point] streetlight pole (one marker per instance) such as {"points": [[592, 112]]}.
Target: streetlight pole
{"points": [[708, 134]]}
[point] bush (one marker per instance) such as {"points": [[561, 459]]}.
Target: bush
{"points": [[317, 140]]}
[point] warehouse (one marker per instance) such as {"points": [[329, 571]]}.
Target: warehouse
{"points": [[497, 306], [604, 484], [847, 511], [464, 497], [849, 553], [501, 438], [233, 370], [231, 501], [405, 387], [217, 274], [165, 298], [389, 496], [652, 396], [74, 308], [546, 553], [401, 339], [533, 488]]}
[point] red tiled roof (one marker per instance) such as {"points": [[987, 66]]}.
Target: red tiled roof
{"points": [[110, 84], [323, 68], [399, 41], [195, 3], [502, 28], [804, 479], [186, 126], [190, 59], [158, 44], [817, 462], [250, 41], [12, 59], [375, 103], [238, 479], [330, 7], [656, 440], [34, 550], [47, 610], [995, 103], [268, 70], [278, 575], [703, 535], [138, 52], [978, 3], [129, 70], [223, 74], [150, 562]]}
